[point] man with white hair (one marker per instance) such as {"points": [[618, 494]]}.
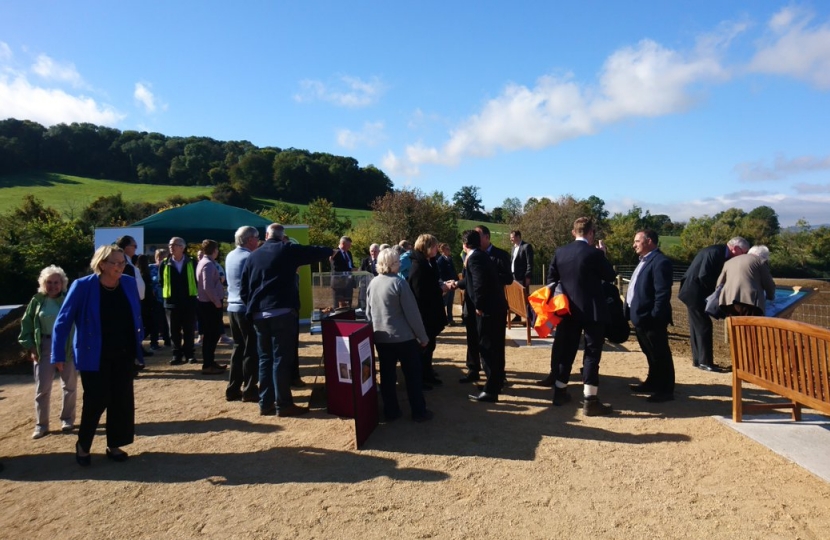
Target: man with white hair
{"points": [[747, 284], [699, 282], [244, 374]]}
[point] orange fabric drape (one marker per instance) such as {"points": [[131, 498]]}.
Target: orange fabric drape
{"points": [[550, 306]]}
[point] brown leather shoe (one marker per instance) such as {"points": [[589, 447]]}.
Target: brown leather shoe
{"points": [[291, 410]]}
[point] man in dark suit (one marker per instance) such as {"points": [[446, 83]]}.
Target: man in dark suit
{"points": [[580, 268], [522, 259], [699, 282], [501, 259], [370, 263], [484, 299], [648, 304], [342, 283]]}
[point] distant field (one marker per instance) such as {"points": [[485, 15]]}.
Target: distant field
{"points": [[71, 194]]}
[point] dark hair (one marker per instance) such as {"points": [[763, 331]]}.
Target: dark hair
{"points": [[471, 239], [484, 230], [125, 241], [583, 226], [650, 234], [209, 247], [517, 233]]}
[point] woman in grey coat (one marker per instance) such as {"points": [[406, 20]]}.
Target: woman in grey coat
{"points": [[399, 336]]}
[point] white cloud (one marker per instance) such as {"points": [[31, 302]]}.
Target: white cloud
{"points": [[50, 70], [806, 189], [145, 97], [643, 81], [5, 52], [395, 166], [795, 48], [790, 208], [371, 134], [48, 106], [346, 91], [781, 168]]}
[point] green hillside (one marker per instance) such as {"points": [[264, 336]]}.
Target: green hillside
{"points": [[71, 194]]}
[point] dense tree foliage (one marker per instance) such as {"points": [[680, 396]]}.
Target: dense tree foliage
{"points": [[467, 203], [405, 214], [239, 169]]}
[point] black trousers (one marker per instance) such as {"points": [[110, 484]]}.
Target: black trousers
{"points": [[182, 321], [426, 359], [700, 334], [211, 320], [473, 356], [654, 341], [244, 374], [566, 344], [109, 389], [491, 329]]}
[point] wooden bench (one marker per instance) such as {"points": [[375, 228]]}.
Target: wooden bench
{"points": [[788, 358], [516, 295]]}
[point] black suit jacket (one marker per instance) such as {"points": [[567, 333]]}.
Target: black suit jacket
{"points": [[523, 265], [482, 289], [366, 266], [501, 259], [701, 277], [581, 269], [423, 280], [341, 263], [651, 301]]}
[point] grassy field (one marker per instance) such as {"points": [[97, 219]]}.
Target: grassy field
{"points": [[71, 194]]}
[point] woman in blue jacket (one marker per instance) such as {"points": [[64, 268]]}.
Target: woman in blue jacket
{"points": [[106, 312]]}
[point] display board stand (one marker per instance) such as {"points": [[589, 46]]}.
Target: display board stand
{"points": [[348, 356]]}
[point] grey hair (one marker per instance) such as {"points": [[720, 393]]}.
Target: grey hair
{"points": [[761, 251], [275, 231], [387, 260], [740, 242], [383, 246], [244, 233], [50, 271], [373, 247]]}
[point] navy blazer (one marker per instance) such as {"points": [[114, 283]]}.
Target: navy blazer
{"points": [[652, 292], [701, 277], [581, 269], [342, 263]]}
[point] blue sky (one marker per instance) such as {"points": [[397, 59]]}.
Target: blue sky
{"points": [[684, 108]]}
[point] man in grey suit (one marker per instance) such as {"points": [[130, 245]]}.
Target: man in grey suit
{"points": [[699, 282], [580, 268]]}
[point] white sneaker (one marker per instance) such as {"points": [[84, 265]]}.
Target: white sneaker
{"points": [[225, 340], [67, 426], [40, 431]]}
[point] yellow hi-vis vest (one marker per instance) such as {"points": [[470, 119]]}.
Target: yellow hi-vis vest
{"points": [[166, 290]]}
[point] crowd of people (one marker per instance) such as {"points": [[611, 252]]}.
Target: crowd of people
{"points": [[97, 326]]}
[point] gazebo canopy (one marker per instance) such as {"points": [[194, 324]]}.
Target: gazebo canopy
{"points": [[198, 221]]}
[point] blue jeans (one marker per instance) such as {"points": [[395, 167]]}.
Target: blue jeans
{"points": [[409, 354], [277, 345]]}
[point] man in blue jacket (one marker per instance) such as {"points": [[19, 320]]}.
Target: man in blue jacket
{"points": [[648, 304], [272, 301]]}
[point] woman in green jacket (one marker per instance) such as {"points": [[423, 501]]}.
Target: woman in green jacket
{"points": [[36, 337]]}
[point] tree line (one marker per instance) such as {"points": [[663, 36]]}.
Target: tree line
{"points": [[238, 170]]}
